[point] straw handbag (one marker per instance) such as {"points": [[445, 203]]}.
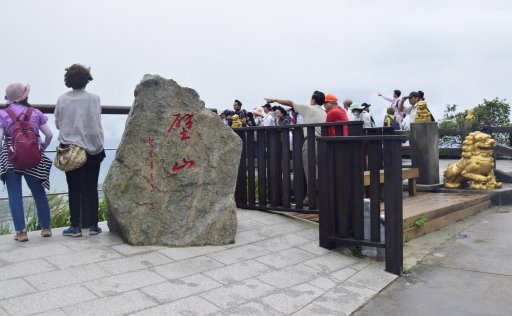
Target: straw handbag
{"points": [[70, 157]]}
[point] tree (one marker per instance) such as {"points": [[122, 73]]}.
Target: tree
{"points": [[490, 113]]}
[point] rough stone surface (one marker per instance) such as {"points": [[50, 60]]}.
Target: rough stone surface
{"points": [[173, 179]]}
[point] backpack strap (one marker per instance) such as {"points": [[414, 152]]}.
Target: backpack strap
{"points": [[11, 113], [28, 113]]}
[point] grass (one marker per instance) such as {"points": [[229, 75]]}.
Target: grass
{"points": [[420, 221], [59, 215]]}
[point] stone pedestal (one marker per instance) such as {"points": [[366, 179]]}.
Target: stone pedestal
{"points": [[424, 140]]}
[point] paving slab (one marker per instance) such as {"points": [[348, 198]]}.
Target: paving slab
{"points": [[193, 305], [65, 277], [123, 282], [238, 293], [173, 290], [135, 262], [275, 267], [238, 271], [15, 287], [122, 304], [19, 269], [291, 300], [47, 300], [187, 267]]}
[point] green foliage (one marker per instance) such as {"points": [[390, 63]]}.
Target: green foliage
{"points": [[102, 211], [59, 211], [451, 119], [490, 113], [494, 112], [5, 229], [420, 221]]}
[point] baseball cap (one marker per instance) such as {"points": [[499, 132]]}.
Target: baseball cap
{"points": [[329, 97]]}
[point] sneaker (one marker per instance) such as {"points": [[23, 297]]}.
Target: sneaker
{"points": [[21, 236], [72, 231], [46, 232], [94, 230]]}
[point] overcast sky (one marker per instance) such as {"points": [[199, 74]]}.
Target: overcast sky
{"points": [[455, 51]]}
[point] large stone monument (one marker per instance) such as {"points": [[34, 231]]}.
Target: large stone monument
{"points": [[173, 179]]}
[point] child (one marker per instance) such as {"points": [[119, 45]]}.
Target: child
{"points": [[390, 119]]}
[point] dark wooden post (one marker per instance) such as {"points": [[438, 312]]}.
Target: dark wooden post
{"points": [[326, 167], [262, 168], [251, 174], [424, 139], [241, 180], [393, 207]]}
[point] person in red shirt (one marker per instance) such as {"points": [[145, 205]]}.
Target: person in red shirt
{"points": [[335, 113]]}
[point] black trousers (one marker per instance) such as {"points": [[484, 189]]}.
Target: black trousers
{"points": [[83, 191]]}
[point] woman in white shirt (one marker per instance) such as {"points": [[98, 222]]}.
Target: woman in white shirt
{"points": [[410, 109], [357, 114]]}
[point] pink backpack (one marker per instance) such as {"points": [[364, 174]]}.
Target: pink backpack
{"points": [[24, 151]]}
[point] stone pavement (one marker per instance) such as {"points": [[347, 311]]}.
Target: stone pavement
{"points": [[469, 274], [274, 268]]}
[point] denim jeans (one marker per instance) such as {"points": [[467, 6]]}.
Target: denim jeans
{"points": [[13, 182]]}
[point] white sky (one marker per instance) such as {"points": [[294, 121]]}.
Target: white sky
{"points": [[455, 51]]}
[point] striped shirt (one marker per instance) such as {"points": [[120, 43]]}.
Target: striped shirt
{"points": [[41, 171]]}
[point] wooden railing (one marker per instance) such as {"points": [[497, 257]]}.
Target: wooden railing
{"points": [[341, 175], [271, 172]]}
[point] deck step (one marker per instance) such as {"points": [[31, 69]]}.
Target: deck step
{"points": [[446, 219], [439, 205]]}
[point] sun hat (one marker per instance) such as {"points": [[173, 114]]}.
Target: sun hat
{"points": [[258, 111], [329, 97], [16, 92], [355, 106]]}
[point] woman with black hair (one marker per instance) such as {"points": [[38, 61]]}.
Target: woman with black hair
{"points": [[78, 118], [281, 116]]}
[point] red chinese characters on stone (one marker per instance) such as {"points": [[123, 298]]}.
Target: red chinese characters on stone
{"points": [[184, 122], [187, 164]]}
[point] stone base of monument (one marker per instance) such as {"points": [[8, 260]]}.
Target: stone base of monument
{"points": [[173, 178]]}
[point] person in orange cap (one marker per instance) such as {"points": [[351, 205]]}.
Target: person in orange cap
{"points": [[335, 114]]}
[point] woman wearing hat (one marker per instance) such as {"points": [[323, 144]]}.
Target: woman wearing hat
{"points": [[78, 118], [37, 178], [357, 114]]}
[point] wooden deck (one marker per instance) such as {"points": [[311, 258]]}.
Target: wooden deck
{"points": [[438, 209]]}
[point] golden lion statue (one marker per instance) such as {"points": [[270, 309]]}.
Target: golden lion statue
{"points": [[476, 165], [470, 117], [422, 112]]}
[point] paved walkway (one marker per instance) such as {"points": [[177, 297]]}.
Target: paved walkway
{"points": [[275, 268], [470, 274]]}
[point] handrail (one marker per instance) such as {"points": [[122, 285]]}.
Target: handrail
{"points": [[105, 109]]}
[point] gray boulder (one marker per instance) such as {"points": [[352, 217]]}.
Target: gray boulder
{"points": [[173, 179]]}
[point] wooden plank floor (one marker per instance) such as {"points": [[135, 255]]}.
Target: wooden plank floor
{"points": [[425, 203]]}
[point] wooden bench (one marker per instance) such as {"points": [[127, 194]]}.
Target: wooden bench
{"points": [[407, 174]]}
